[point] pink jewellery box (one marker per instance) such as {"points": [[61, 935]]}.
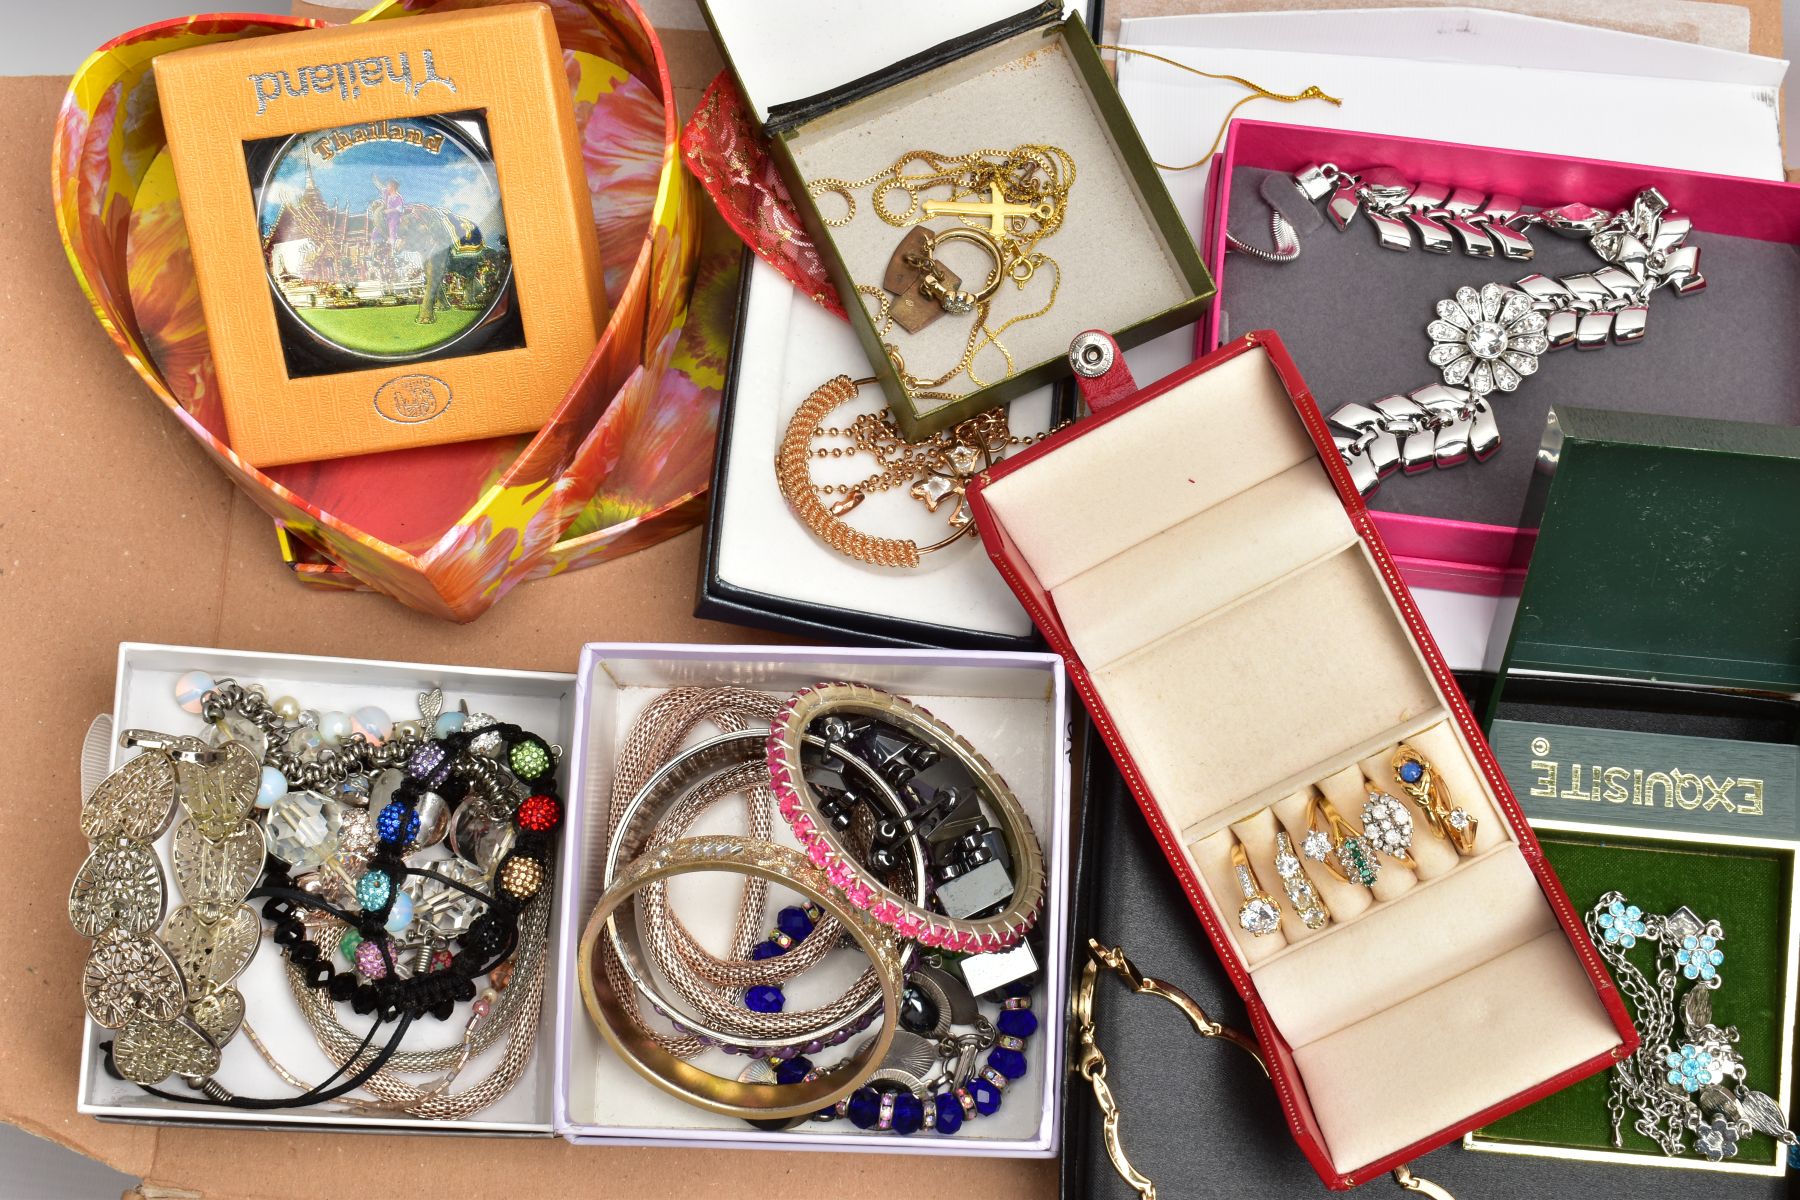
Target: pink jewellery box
{"points": [[1013, 707], [1353, 315]]}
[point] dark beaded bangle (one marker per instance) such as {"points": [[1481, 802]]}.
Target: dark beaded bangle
{"points": [[891, 1108]]}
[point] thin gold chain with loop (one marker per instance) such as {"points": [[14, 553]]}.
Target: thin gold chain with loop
{"points": [[1029, 174]]}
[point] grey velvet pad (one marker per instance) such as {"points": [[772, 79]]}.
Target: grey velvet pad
{"points": [[1201, 1120], [1353, 316]]}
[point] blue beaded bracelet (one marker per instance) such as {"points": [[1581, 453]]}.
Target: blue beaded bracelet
{"points": [[892, 1109]]}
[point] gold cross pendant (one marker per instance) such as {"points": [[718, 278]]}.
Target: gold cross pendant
{"points": [[996, 209]]}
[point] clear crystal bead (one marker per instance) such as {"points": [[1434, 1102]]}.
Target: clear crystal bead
{"points": [[442, 908], [302, 830], [233, 726]]}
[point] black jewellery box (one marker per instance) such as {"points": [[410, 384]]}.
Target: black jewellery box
{"points": [[843, 90], [759, 566]]}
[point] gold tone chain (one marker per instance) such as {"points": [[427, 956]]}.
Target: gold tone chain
{"points": [[876, 436], [1257, 92], [1091, 1064], [1027, 175], [939, 470]]}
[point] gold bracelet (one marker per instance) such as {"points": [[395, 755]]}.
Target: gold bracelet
{"points": [[938, 471], [1091, 1063], [715, 1093]]}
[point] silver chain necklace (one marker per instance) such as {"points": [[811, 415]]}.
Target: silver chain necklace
{"points": [[1687, 1080], [1486, 340]]}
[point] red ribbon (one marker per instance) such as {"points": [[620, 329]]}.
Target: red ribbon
{"points": [[730, 156]]}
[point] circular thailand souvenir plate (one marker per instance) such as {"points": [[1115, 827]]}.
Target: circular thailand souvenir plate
{"points": [[385, 241]]}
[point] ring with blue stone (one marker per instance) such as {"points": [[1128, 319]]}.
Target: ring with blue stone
{"points": [[1443, 816]]}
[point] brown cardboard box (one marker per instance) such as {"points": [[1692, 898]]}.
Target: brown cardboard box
{"points": [[153, 544], [171, 552]]}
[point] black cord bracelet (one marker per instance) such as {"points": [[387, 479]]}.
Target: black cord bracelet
{"points": [[441, 766]]}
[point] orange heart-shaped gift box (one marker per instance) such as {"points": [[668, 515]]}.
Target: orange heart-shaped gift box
{"points": [[444, 529]]}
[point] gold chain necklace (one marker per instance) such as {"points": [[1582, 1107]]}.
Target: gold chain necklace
{"points": [[1032, 181], [937, 469], [1014, 198]]}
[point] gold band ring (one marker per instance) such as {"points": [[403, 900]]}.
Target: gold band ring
{"points": [[1333, 841], [1259, 915], [958, 301]]}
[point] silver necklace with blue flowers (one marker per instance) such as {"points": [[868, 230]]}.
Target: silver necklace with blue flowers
{"points": [[1687, 1077]]}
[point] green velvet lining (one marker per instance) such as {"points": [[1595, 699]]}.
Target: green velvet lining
{"points": [[1747, 891]]}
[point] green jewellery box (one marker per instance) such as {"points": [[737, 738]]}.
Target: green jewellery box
{"points": [[1646, 710], [847, 91], [1667, 552]]}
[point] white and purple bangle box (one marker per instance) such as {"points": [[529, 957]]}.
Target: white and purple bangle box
{"points": [[1014, 707]]}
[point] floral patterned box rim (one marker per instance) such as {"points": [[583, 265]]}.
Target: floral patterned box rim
{"points": [[510, 499]]}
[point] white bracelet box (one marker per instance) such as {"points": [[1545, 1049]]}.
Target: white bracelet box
{"points": [[144, 698], [1013, 707]]}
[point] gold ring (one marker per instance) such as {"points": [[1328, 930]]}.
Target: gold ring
{"points": [[1300, 891], [1259, 915], [715, 1093], [966, 300], [1388, 824], [1449, 821], [1333, 841]]}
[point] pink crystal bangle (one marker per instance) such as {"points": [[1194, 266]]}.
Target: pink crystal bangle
{"points": [[826, 848]]}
